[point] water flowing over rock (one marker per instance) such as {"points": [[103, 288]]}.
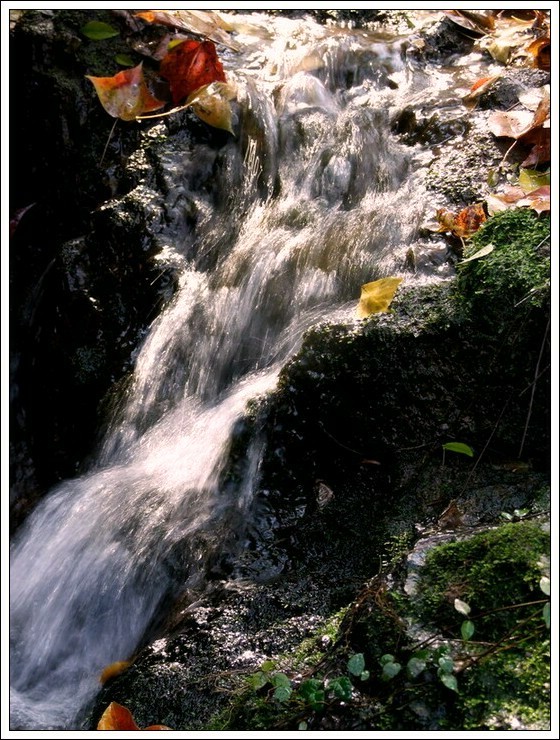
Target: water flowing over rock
{"points": [[227, 448]]}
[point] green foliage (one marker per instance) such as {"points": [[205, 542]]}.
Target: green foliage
{"points": [[292, 696]]}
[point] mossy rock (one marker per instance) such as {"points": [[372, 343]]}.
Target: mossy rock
{"points": [[493, 571], [515, 277]]}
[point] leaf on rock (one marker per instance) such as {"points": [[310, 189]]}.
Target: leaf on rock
{"points": [[530, 128], [124, 60], [462, 224], [189, 66], [117, 717], [510, 124], [530, 180], [98, 31], [516, 197], [488, 249], [114, 669], [125, 95], [157, 727], [479, 88], [538, 200], [211, 105], [481, 22], [376, 297]]}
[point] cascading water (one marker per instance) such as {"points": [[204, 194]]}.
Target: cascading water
{"points": [[309, 214]]}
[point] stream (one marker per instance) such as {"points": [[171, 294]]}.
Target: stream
{"points": [[317, 197]]}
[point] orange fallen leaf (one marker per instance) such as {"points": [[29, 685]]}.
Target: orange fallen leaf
{"points": [[125, 95], [478, 89], [117, 717], [190, 65], [114, 669], [462, 224]]}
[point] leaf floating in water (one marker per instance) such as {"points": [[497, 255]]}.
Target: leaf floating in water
{"points": [[98, 31], [211, 105], [117, 717], [190, 66], [376, 297], [125, 95]]}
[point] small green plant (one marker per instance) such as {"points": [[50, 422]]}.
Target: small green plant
{"points": [[311, 694], [467, 627]]}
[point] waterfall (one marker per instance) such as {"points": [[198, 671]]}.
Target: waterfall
{"points": [[312, 185]]}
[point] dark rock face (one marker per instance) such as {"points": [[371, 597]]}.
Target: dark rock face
{"points": [[86, 273]]}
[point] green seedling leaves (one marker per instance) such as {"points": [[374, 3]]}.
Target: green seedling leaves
{"points": [[467, 630], [356, 664]]}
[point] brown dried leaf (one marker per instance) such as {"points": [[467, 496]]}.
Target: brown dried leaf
{"points": [[510, 124], [516, 197], [481, 21], [538, 200], [199, 22], [462, 224]]}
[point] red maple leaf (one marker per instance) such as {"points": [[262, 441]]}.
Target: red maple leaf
{"points": [[191, 65]]}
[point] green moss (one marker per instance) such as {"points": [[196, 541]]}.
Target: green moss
{"points": [[513, 684], [516, 270], [492, 570]]}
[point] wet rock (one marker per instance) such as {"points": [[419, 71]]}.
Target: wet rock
{"points": [[504, 93]]}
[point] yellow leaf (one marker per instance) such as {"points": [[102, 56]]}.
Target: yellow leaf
{"points": [[377, 296], [530, 180], [211, 104], [114, 669]]}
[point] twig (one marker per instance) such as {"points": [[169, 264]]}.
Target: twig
{"points": [[107, 142]]}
